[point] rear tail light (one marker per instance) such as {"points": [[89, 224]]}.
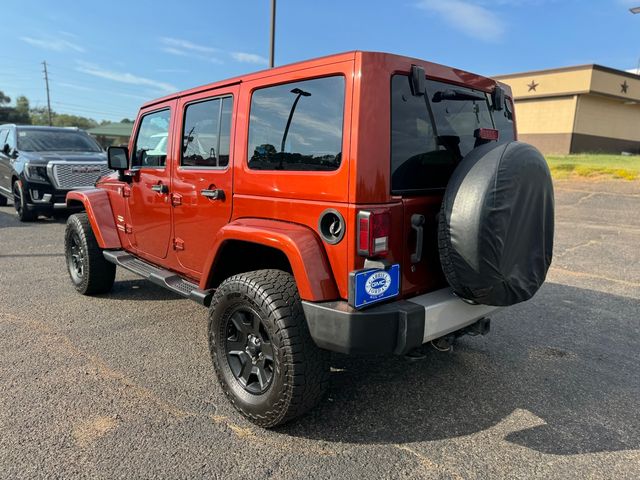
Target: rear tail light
{"points": [[487, 134], [374, 227]]}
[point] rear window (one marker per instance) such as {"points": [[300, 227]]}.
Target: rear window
{"points": [[297, 126], [430, 134], [35, 140]]}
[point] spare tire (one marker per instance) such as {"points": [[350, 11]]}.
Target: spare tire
{"points": [[495, 230]]}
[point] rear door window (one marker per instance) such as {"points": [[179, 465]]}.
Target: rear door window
{"points": [[297, 126], [206, 133]]}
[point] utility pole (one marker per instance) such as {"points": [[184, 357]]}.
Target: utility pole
{"points": [[46, 81], [273, 33]]}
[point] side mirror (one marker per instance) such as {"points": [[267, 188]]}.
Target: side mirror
{"points": [[497, 98], [118, 158], [6, 149]]}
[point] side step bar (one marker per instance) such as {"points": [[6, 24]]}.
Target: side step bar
{"points": [[159, 276]]}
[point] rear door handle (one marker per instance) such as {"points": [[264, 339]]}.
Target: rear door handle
{"points": [[417, 221], [160, 188], [217, 194]]}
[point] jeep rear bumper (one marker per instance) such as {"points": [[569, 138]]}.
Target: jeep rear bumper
{"points": [[395, 327]]}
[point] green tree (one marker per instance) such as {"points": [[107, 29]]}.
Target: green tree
{"points": [[10, 114], [22, 105]]}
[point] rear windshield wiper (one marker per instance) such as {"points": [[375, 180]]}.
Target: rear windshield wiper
{"points": [[456, 95]]}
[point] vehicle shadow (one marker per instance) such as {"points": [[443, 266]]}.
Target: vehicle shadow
{"points": [[139, 289], [9, 219], [569, 356]]}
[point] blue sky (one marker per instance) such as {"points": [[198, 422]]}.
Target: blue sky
{"points": [[106, 58]]}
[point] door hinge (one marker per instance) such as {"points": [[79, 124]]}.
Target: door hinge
{"points": [[176, 199], [178, 244]]}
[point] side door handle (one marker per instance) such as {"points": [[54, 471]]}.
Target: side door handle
{"points": [[217, 194], [160, 188], [417, 222]]}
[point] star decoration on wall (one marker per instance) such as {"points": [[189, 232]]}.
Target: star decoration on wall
{"points": [[624, 87], [532, 86]]}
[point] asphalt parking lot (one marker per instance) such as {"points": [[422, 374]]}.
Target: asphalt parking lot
{"points": [[122, 386]]}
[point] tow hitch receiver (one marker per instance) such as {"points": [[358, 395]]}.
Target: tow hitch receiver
{"points": [[446, 342]]}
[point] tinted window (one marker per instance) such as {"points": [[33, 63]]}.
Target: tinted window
{"points": [[35, 140], [206, 133], [457, 115], [503, 120], [418, 162], [151, 143], [297, 126]]}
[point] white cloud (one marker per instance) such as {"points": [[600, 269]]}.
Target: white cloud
{"points": [[470, 18], [124, 77], [185, 48], [187, 45], [74, 86], [249, 58], [172, 70], [53, 44]]}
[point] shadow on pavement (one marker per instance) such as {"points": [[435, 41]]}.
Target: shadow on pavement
{"points": [[139, 289], [569, 356]]}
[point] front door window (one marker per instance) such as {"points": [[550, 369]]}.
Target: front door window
{"points": [[151, 143]]}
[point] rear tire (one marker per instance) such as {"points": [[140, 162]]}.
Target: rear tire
{"points": [[262, 352], [24, 212], [3, 201], [90, 273]]}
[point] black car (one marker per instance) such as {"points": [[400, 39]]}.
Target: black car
{"points": [[39, 165]]}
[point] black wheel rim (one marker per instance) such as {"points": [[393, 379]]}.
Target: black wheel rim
{"points": [[75, 258], [17, 198], [249, 351]]}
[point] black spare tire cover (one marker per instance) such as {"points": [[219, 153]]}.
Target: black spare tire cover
{"points": [[495, 232]]}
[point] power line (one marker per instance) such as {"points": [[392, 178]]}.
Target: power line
{"points": [[86, 111]]}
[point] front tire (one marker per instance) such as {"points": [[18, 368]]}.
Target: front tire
{"points": [[90, 273], [262, 352], [24, 212]]}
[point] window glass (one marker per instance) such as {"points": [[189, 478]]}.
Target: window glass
{"points": [[458, 114], [3, 137], [504, 120], [41, 140], [206, 133], [151, 143], [297, 126], [418, 162], [225, 131]]}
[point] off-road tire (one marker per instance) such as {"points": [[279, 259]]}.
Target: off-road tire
{"points": [[300, 373], [24, 212], [97, 274]]}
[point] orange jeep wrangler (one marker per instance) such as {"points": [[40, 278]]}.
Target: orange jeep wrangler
{"points": [[357, 203]]}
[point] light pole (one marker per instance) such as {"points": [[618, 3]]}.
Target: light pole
{"points": [[636, 10], [273, 33], [298, 93]]}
